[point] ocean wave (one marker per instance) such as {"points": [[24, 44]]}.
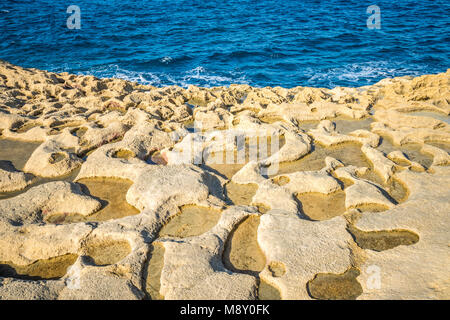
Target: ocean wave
{"points": [[166, 60], [114, 71], [201, 76], [196, 76], [248, 55], [142, 62], [362, 73]]}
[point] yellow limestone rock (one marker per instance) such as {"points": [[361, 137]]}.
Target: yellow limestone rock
{"points": [[193, 268], [418, 271], [304, 250]]}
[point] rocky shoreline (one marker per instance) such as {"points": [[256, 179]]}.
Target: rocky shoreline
{"points": [[114, 190]]}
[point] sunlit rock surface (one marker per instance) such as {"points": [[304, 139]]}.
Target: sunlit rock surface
{"points": [[114, 190]]}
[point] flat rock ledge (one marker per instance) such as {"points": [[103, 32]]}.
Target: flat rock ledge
{"points": [[394, 187]]}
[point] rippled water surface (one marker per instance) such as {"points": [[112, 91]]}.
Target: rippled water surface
{"points": [[210, 43]]}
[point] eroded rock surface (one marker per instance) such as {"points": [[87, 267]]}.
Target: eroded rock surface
{"points": [[114, 190]]}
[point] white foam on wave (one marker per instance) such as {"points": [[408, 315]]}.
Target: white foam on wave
{"points": [[357, 73], [196, 76], [166, 60], [208, 79], [114, 71], [368, 72]]}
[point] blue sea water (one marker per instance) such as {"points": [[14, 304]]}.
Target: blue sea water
{"points": [[211, 43]]}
